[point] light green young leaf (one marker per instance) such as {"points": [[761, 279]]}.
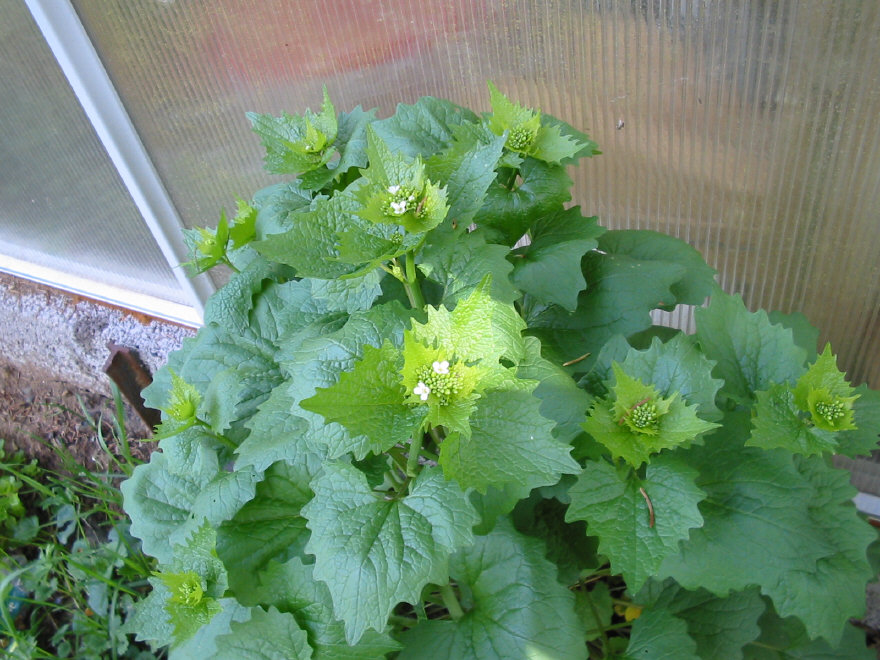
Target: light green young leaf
{"points": [[549, 268], [268, 527], [292, 587], [637, 422], [297, 143], [370, 400], [750, 352], [351, 141], [510, 443], [374, 552], [779, 424], [479, 328], [203, 643], [514, 606], [397, 192], [267, 635], [660, 635], [639, 522], [824, 393]]}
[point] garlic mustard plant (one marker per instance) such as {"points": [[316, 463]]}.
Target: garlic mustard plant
{"points": [[404, 432]]}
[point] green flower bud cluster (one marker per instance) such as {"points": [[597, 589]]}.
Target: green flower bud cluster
{"points": [[521, 138], [186, 588], [440, 380], [831, 411], [642, 417]]}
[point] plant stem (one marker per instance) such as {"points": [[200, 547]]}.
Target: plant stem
{"points": [[451, 602], [413, 290], [412, 462]]}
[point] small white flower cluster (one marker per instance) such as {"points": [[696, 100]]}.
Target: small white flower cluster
{"points": [[440, 367], [402, 202]]}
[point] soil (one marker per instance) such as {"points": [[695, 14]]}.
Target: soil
{"points": [[42, 414]]}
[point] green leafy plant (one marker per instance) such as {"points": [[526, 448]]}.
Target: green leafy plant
{"points": [[69, 569], [405, 432]]}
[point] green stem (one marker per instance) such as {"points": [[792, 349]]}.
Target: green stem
{"points": [[415, 448], [451, 602], [413, 290]]}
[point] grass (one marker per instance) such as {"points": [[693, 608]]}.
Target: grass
{"points": [[69, 568]]}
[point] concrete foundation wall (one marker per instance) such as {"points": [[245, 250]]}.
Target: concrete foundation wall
{"points": [[49, 331]]}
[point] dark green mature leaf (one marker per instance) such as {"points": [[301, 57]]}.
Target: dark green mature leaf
{"points": [[660, 635], [374, 552], [721, 627], [249, 357], [424, 128], [794, 513], [510, 443], [698, 278], [267, 635], [825, 598], [751, 352], [165, 507], [230, 306], [351, 143], [549, 268], [466, 169], [805, 335], [677, 366], [458, 263], [621, 292], [369, 400], [786, 639], [561, 400], [275, 433], [508, 213], [275, 204], [291, 587], [268, 527], [865, 438], [310, 245], [636, 537], [514, 606], [595, 609]]}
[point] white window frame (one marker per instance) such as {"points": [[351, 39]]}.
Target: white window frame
{"points": [[78, 59]]}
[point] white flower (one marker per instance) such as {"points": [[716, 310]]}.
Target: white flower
{"points": [[441, 367], [422, 391], [393, 189], [399, 208]]}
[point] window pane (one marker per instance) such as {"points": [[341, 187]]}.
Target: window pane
{"points": [[62, 204], [747, 128]]}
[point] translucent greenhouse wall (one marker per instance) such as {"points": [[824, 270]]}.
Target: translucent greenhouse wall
{"points": [[746, 127]]}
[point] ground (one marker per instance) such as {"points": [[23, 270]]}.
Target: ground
{"points": [[40, 412]]}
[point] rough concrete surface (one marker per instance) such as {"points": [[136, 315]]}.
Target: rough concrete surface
{"points": [[67, 336]]}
